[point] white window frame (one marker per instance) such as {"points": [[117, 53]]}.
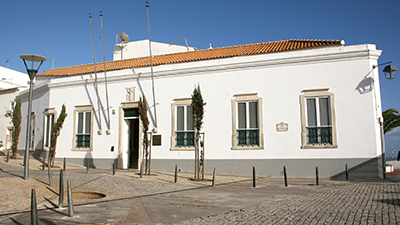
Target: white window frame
{"points": [[47, 132], [316, 94], [240, 98], [78, 109], [179, 102]]}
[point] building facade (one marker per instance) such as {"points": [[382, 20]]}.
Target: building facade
{"points": [[295, 103]]}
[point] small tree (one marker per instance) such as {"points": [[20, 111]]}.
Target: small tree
{"points": [[198, 115], [16, 121], [145, 124], [55, 132]]}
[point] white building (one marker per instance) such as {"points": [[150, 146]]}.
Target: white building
{"points": [[11, 83], [295, 103]]}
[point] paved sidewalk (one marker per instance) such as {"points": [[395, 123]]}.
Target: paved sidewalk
{"points": [[157, 200]]}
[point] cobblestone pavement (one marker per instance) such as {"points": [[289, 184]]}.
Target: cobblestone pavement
{"points": [[374, 202]]}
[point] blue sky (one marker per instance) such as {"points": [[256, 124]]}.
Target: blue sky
{"points": [[61, 29]]}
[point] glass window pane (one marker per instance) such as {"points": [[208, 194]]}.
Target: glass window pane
{"points": [[242, 115], [80, 123], [180, 120], [47, 132], [189, 114], [324, 111], [311, 112], [253, 113], [51, 121], [88, 122]]}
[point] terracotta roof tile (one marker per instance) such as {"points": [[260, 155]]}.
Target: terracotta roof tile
{"points": [[216, 53]]}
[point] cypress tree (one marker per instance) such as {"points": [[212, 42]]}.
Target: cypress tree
{"points": [[16, 121], [198, 115], [55, 132], [145, 127]]}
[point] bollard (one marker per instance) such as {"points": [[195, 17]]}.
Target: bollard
{"points": [[113, 168], [65, 163], [316, 176], [50, 176], [176, 174], [284, 175], [254, 176], [34, 218], [8, 155], [141, 169], [70, 203], [87, 167], [44, 163], [347, 172], [61, 190], [213, 181]]}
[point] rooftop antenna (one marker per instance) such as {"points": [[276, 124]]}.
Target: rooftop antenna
{"points": [[151, 66], [95, 75], [187, 46], [105, 75], [52, 64], [8, 63]]}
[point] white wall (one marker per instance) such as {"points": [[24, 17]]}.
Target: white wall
{"points": [[137, 49], [278, 78]]}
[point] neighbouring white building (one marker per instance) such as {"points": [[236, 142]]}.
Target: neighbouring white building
{"points": [[11, 83], [294, 103]]}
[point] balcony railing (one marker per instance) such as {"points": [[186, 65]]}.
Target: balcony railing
{"points": [[319, 135], [83, 140], [248, 137], [184, 139]]}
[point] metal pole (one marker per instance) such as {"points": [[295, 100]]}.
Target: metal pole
{"points": [[50, 176], [28, 131], [44, 163], [95, 74], [213, 180], [316, 176], [285, 176], [8, 155], [347, 172], [61, 190], [204, 137], [254, 176], [70, 203], [141, 169], [151, 141], [34, 218], [176, 174], [151, 67], [105, 75], [65, 163]]}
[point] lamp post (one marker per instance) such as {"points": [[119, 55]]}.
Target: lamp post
{"points": [[32, 74], [390, 73]]}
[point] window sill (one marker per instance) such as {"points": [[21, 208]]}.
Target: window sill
{"points": [[318, 146], [182, 149], [248, 148], [81, 149]]}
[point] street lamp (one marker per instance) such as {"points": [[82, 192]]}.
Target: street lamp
{"points": [[389, 70], [32, 74]]}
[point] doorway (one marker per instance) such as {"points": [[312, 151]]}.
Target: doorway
{"points": [[133, 143]]}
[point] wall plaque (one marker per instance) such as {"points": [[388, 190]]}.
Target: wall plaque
{"points": [[157, 140], [282, 127]]}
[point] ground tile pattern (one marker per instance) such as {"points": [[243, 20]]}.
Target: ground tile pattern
{"points": [[361, 203]]}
